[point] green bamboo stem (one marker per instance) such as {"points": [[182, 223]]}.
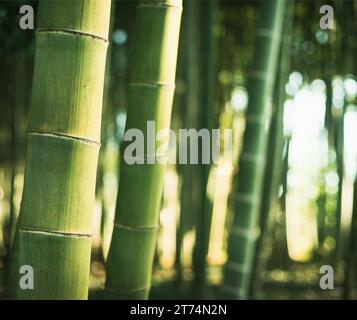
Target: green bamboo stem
{"points": [[207, 111], [339, 142], [130, 258], [100, 186], [62, 150], [247, 196], [347, 67], [274, 157], [181, 106], [188, 172], [270, 188]]}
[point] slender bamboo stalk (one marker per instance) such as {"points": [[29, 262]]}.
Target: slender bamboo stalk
{"points": [[247, 199], [347, 67], [189, 173], [271, 183], [100, 186], [63, 144], [339, 141], [207, 111], [179, 104], [131, 253], [274, 158]]}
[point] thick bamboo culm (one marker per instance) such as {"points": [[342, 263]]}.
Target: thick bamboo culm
{"points": [[248, 193], [131, 253], [63, 142]]}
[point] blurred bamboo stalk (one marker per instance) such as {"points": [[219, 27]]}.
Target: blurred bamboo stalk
{"points": [[248, 192], [274, 157], [190, 178], [208, 109], [339, 127]]}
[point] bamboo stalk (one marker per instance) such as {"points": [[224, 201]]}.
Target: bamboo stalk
{"points": [[347, 67], [131, 253], [190, 116], [181, 106], [206, 114], [274, 157], [247, 197], [62, 149]]}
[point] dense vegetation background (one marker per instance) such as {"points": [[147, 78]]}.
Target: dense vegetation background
{"points": [[306, 213]]}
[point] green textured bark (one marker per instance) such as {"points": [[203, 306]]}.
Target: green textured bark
{"points": [[55, 224], [129, 266], [274, 157], [248, 193]]}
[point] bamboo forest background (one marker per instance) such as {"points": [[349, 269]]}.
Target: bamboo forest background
{"points": [[303, 193]]}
